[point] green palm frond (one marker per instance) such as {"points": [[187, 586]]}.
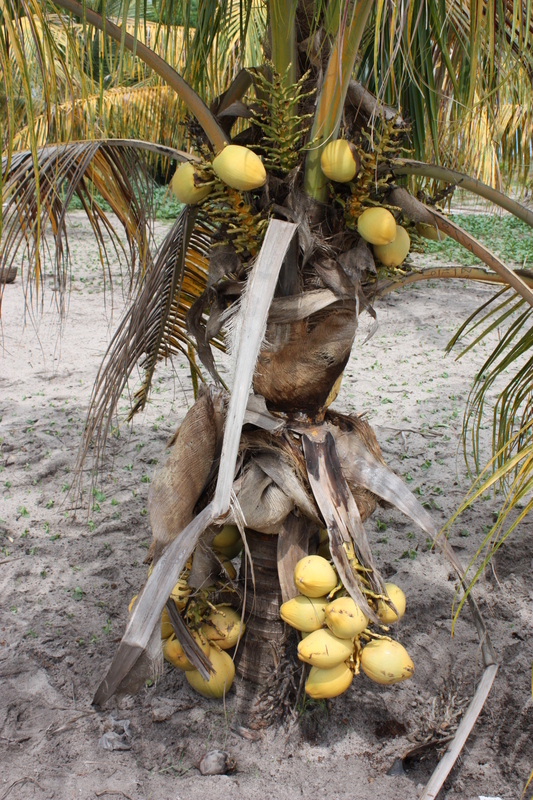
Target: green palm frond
{"points": [[511, 465], [512, 318], [516, 472], [461, 75]]}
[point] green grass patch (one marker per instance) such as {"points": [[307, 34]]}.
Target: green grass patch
{"points": [[166, 207], [507, 237]]}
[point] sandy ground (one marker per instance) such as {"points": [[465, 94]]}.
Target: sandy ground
{"points": [[65, 580]]}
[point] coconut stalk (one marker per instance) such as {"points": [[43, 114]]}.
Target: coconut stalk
{"points": [[448, 273]]}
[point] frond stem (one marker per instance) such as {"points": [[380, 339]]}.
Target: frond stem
{"points": [[405, 166]]}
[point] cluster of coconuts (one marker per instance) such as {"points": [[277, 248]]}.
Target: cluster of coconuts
{"points": [[391, 242], [236, 166], [215, 628], [336, 639]]}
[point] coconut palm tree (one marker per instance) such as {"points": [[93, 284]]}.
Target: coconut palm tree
{"points": [[297, 178]]}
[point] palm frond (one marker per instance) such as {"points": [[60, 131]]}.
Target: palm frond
{"points": [[461, 74], [146, 113], [36, 201], [154, 327], [516, 472], [513, 408], [511, 464]]}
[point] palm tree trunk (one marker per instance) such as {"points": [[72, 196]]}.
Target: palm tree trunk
{"points": [[265, 632]]}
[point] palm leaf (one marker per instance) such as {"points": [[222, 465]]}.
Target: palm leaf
{"points": [[154, 326], [511, 465], [36, 202], [145, 113]]}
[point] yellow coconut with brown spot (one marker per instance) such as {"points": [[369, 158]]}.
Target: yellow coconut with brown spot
{"points": [[304, 613], [314, 576], [186, 185], [324, 650], [224, 627], [325, 683], [344, 618], [386, 662]]}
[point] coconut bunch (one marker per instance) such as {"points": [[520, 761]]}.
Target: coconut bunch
{"points": [[337, 638], [213, 627]]}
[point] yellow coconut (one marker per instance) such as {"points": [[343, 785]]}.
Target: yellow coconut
{"points": [[324, 650], [377, 226], [240, 168], [304, 613], [344, 618], [339, 161], [185, 186], [166, 626], [324, 683], [180, 593], [392, 254], [224, 627], [226, 537], [231, 550], [220, 681], [386, 661], [173, 651], [385, 613], [430, 232], [314, 576]]}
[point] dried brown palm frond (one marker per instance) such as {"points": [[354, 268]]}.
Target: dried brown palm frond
{"points": [[36, 203], [153, 328]]}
